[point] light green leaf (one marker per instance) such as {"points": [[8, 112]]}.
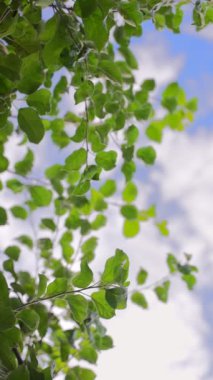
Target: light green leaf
{"points": [[162, 291], [79, 307], [30, 122], [58, 286], [42, 285], [131, 228], [147, 154], [108, 188], [142, 276], [40, 195], [116, 269], [139, 299], [85, 277], [77, 373], [172, 263], [14, 185], [103, 308], [130, 192], [111, 70], [162, 227], [88, 352], [25, 240], [76, 159], [106, 160]]}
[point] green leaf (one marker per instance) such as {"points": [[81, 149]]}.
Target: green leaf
{"points": [[154, 132], [20, 373], [103, 308], [48, 223], [7, 318], [130, 192], [142, 276], [84, 91], [24, 166], [147, 154], [131, 228], [95, 29], [76, 159], [190, 280], [31, 124], [129, 57], [111, 70], [106, 160], [40, 100], [88, 248], [14, 185], [4, 163], [19, 212], [131, 135], [172, 263], [79, 307], [108, 188], [88, 353], [162, 227], [40, 195], [129, 212], [116, 269], [42, 285], [29, 317], [116, 298], [77, 373], [58, 286], [31, 74], [162, 291], [3, 216], [85, 277], [25, 240], [13, 252], [139, 299]]}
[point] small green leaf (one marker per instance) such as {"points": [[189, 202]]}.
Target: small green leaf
{"points": [[131, 228], [129, 212], [24, 166], [111, 70], [19, 212], [85, 277], [31, 74], [172, 263], [116, 298], [76, 159], [130, 192], [48, 223], [147, 154], [87, 352], [131, 135], [40, 100], [162, 291], [79, 307], [4, 163], [106, 160], [13, 252], [42, 285], [162, 227], [108, 188], [14, 185], [25, 240], [29, 317], [3, 216], [116, 269], [30, 122], [77, 373], [190, 280], [103, 308], [40, 195], [139, 299], [58, 286], [142, 276]]}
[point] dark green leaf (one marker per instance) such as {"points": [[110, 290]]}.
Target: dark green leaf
{"points": [[79, 307], [13, 252], [31, 124], [24, 166], [3, 216], [40, 100]]}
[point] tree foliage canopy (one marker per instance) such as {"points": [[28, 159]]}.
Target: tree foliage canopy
{"points": [[48, 48]]}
